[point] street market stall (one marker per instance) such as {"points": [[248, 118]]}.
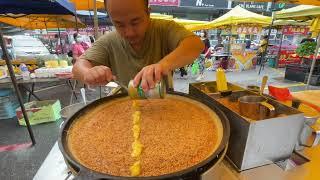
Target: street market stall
{"points": [[283, 48], [304, 12], [239, 21], [29, 7]]}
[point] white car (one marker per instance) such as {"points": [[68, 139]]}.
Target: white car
{"points": [[27, 46]]}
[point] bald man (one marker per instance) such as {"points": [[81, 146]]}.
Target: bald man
{"points": [[141, 48]]}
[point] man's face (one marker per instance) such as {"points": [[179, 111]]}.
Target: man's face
{"points": [[130, 18]]}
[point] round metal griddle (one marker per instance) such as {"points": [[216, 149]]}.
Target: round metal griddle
{"points": [[191, 173]]}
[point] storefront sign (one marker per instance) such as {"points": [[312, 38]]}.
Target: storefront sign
{"points": [[164, 2], [295, 30], [205, 3], [246, 30], [280, 6], [252, 5]]}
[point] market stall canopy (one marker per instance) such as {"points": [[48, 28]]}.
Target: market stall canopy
{"points": [[291, 23], [302, 12], [187, 22], [42, 21], [161, 16], [315, 26], [36, 7], [237, 16], [191, 25], [308, 2], [87, 4]]}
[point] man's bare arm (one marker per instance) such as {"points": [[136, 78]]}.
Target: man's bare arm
{"points": [[186, 52], [84, 71]]}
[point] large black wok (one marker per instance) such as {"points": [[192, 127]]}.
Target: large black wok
{"points": [[191, 173]]}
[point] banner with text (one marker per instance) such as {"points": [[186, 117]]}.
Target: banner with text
{"points": [[295, 30], [164, 2], [223, 4], [241, 29]]}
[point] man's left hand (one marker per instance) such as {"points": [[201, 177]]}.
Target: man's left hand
{"points": [[149, 76]]}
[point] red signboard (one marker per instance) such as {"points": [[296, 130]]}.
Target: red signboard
{"points": [[164, 2], [295, 30]]}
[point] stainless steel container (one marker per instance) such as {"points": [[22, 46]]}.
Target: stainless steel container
{"points": [[257, 143]]}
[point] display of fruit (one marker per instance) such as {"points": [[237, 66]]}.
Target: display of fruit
{"points": [[33, 67], [17, 70]]}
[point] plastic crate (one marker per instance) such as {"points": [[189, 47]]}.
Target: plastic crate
{"points": [[8, 103], [303, 68], [294, 75], [315, 80], [272, 62]]}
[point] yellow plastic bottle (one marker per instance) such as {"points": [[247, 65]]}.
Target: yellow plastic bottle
{"points": [[221, 80]]}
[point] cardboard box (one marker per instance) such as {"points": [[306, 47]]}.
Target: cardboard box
{"points": [[40, 112]]}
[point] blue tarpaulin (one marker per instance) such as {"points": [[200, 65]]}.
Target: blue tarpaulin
{"points": [[36, 7], [90, 13]]}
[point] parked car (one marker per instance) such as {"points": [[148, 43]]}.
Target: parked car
{"points": [[28, 47]]}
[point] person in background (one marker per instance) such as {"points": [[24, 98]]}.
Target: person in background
{"points": [[248, 43], [61, 46], [77, 48], [84, 44], [204, 55], [263, 47], [308, 38], [92, 40], [219, 46], [183, 72]]}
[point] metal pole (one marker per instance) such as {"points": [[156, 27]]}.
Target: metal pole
{"points": [[95, 19], [59, 34], [269, 33], [90, 16], [76, 17], [229, 45], [45, 24], [316, 53], [277, 59], [15, 85]]}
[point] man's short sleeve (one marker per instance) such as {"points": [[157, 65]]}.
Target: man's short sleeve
{"points": [[176, 33], [98, 54]]}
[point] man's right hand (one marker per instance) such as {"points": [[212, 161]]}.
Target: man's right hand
{"points": [[98, 76]]}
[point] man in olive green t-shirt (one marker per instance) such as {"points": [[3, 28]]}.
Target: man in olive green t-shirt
{"points": [[141, 49]]}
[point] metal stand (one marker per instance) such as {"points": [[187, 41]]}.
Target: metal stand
{"points": [[15, 85], [62, 51], [316, 53], [69, 82], [95, 20], [269, 33], [31, 92], [76, 17], [279, 52]]}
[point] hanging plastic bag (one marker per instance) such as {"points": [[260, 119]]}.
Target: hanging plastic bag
{"points": [[195, 68]]}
